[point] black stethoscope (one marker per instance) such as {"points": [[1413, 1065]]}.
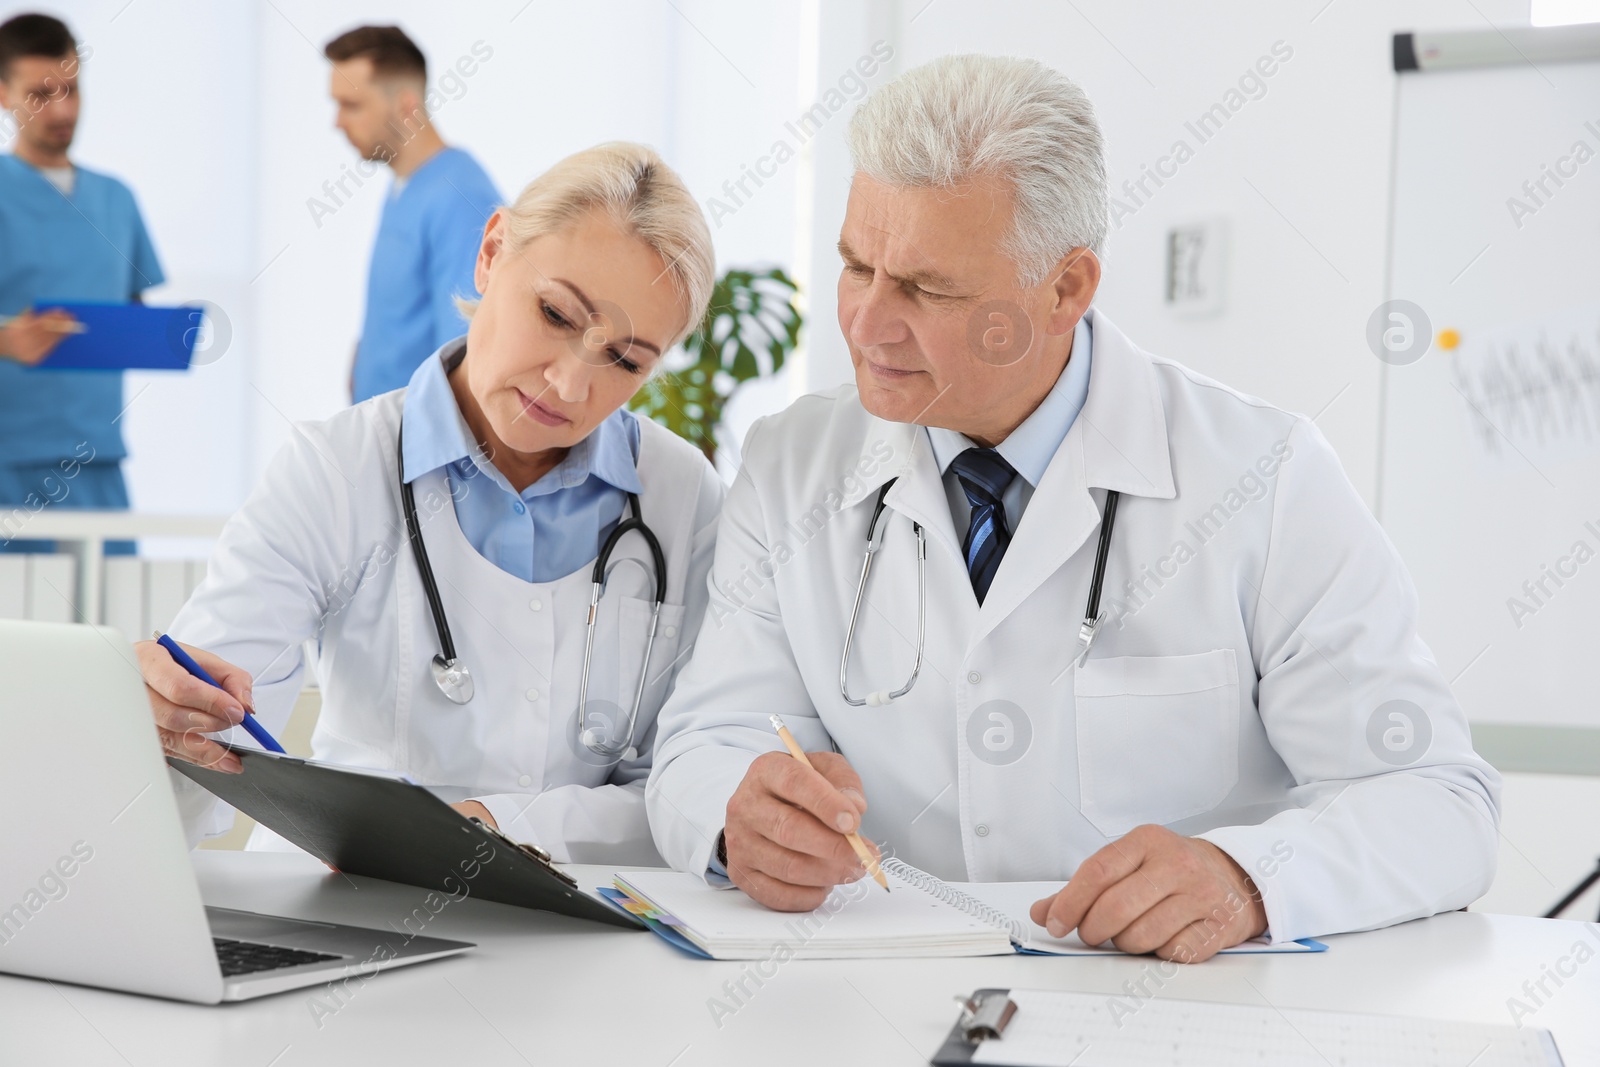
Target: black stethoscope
{"points": [[452, 676], [881, 697]]}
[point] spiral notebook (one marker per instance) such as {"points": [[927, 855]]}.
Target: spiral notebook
{"points": [[921, 915]]}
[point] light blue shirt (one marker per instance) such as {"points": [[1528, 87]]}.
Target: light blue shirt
{"points": [[90, 245], [1030, 447], [552, 528], [423, 259]]}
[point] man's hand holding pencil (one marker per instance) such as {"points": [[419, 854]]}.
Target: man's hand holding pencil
{"points": [[790, 825]]}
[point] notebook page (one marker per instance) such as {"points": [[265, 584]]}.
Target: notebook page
{"points": [[1016, 898], [857, 920], [1053, 1028]]}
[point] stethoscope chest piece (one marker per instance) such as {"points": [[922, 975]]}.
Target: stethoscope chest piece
{"points": [[452, 676], [453, 679], [597, 741]]}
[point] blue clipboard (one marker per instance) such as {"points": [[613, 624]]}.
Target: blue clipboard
{"points": [[125, 337]]}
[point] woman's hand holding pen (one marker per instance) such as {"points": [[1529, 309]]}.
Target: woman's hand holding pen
{"points": [[186, 709]]}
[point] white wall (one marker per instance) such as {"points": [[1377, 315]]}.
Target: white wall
{"points": [[237, 93], [169, 106], [543, 93], [218, 116], [1300, 174]]}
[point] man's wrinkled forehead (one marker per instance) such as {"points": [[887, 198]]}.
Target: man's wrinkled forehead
{"points": [[938, 236]]}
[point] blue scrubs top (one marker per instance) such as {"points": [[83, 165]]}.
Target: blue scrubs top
{"points": [[90, 246], [423, 259]]}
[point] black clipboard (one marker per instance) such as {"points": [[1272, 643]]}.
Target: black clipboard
{"points": [[984, 1017], [367, 823]]}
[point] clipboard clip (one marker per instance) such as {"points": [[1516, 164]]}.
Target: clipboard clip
{"points": [[529, 849], [985, 1015]]}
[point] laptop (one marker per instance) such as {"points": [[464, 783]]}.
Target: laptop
{"points": [[96, 887]]}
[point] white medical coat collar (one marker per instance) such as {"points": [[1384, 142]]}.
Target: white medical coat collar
{"points": [[1118, 441], [1121, 433]]}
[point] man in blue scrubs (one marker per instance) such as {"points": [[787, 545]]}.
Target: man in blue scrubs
{"points": [[433, 218], [66, 234]]}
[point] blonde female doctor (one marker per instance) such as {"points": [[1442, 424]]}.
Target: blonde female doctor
{"points": [[463, 654]]}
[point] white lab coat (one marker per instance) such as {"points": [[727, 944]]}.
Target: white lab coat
{"points": [[319, 552], [1257, 619]]}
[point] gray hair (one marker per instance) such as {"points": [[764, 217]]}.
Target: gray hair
{"points": [[961, 117]]}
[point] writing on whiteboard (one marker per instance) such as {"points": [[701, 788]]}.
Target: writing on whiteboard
{"points": [[1533, 391]]}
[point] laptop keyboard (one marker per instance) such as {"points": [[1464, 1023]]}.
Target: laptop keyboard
{"points": [[250, 957]]}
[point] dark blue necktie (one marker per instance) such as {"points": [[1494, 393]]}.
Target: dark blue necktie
{"points": [[984, 476]]}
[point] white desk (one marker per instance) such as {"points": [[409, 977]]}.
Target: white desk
{"points": [[542, 989]]}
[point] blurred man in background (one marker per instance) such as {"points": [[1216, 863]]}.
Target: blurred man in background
{"points": [[433, 218], [66, 234]]}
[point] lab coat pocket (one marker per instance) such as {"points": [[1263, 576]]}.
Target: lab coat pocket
{"points": [[1158, 737]]}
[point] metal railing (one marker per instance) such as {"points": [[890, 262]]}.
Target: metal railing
{"points": [[32, 585]]}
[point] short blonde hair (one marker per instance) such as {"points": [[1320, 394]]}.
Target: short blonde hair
{"points": [[635, 187]]}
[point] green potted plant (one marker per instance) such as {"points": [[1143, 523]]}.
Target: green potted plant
{"points": [[750, 326]]}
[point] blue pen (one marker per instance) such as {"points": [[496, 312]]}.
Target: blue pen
{"points": [[184, 660]]}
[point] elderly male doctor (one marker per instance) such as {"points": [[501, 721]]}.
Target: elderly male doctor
{"points": [[1256, 743]]}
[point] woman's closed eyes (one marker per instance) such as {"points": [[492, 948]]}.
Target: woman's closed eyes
{"points": [[561, 322]]}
